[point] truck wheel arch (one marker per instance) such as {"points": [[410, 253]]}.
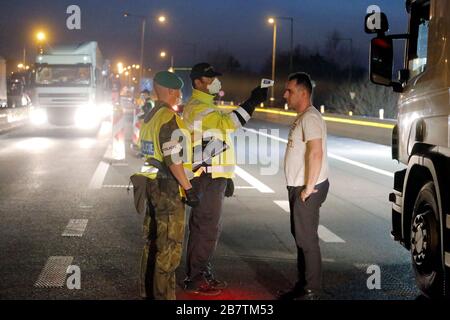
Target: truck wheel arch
{"points": [[422, 169]]}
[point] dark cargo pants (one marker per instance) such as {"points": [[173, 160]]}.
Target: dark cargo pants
{"points": [[204, 226], [304, 228]]}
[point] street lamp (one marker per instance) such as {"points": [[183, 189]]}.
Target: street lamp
{"points": [[273, 20], [40, 37], [163, 54], [274, 51], [120, 67], [291, 53], [161, 19]]}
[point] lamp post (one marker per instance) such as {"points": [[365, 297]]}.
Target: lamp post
{"points": [[291, 52], [161, 19], [274, 51], [273, 20], [163, 54]]}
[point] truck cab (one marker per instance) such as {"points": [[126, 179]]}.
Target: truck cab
{"points": [[71, 85], [421, 138]]}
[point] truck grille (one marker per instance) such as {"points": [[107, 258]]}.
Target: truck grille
{"points": [[63, 99]]}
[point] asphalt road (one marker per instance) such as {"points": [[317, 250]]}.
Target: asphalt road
{"points": [[52, 176]]}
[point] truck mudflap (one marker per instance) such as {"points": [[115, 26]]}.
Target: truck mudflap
{"points": [[396, 198]]}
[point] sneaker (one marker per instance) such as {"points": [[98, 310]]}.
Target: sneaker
{"points": [[217, 284], [204, 289]]}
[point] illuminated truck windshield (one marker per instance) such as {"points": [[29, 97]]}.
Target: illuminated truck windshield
{"points": [[63, 75]]}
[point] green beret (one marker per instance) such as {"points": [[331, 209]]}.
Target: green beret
{"points": [[168, 80]]}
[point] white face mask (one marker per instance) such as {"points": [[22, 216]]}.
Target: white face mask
{"points": [[214, 87]]}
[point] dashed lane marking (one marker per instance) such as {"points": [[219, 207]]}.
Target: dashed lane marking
{"points": [[75, 228], [251, 180], [54, 273], [324, 233]]}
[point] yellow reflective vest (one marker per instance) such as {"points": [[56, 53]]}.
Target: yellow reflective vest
{"points": [[164, 138], [204, 119]]}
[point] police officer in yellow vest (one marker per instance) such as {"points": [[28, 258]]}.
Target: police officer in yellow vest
{"points": [[205, 120], [159, 187]]}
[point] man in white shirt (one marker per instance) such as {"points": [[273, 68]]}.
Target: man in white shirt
{"points": [[306, 171]]}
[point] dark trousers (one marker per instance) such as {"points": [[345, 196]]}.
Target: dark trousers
{"points": [[304, 226], [204, 226]]}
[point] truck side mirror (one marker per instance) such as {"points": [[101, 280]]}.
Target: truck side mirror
{"points": [[376, 22], [381, 61]]}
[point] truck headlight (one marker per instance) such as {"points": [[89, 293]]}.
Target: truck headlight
{"points": [[86, 117], [38, 116]]}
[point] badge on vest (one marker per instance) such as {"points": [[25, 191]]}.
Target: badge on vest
{"points": [[147, 148]]}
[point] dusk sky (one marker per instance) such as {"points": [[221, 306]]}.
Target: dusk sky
{"points": [[239, 26]]}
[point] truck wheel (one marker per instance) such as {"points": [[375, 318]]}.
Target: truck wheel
{"points": [[426, 243]]}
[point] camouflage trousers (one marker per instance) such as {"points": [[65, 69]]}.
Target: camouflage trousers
{"points": [[164, 233]]}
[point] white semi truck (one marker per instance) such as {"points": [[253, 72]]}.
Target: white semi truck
{"points": [[71, 86], [421, 138]]}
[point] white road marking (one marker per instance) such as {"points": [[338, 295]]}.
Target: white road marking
{"points": [[120, 164], [324, 233], [99, 176], [75, 228], [333, 156], [283, 204], [117, 186], [244, 187], [251, 180], [361, 165], [54, 273], [327, 236]]}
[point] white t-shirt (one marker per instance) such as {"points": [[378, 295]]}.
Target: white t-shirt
{"points": [[308, 125]]}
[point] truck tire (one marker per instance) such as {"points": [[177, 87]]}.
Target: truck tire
{"points": [[426, 243]]}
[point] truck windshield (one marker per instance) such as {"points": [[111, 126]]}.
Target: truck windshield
{"points": [[62, 75]]}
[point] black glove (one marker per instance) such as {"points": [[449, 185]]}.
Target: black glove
{"points": [[192, 199], [257, 96], [229, 191]]}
